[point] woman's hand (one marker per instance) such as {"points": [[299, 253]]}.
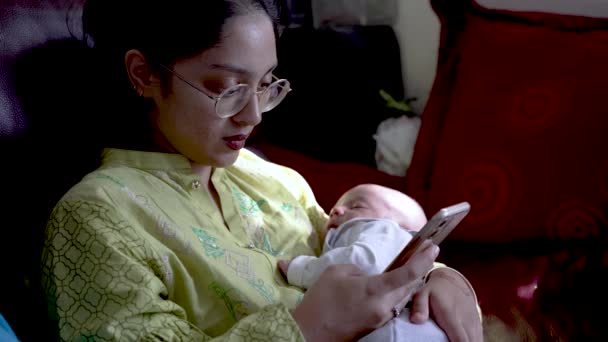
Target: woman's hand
{"points": [[452, 303], [345, 304]]}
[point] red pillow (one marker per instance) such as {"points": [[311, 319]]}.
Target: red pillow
{"points": [[328, 180], [517, 124]]}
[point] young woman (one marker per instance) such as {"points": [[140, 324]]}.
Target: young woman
{"points": [[177, 235]]}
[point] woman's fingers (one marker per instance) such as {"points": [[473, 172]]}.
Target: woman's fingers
{"points": [[403, 303], [474, 334], [345, 302], [459, 335], [453, 329], [405, 278], [452, 326], [400, 283], [347, 270], [420, 307], [453, 305], [474, 331]]}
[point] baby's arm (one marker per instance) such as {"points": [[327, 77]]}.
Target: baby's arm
{"points": [[369, 244]]}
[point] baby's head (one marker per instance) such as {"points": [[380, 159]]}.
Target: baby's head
{"points": [[376, 201]]}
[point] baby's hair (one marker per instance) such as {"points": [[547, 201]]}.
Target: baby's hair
{"points": [[402, 208]]}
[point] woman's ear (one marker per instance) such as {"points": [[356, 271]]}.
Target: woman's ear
{"points": [[141, 75]]}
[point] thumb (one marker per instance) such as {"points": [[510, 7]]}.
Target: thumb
{"points": [[405, 276]]}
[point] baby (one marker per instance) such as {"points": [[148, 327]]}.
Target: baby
{"points": [[368, 227]]}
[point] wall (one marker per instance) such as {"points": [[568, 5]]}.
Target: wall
{"points": [[418, 32]]}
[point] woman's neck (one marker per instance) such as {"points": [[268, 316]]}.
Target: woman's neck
{"points": [[160, 143], [203, 172]]}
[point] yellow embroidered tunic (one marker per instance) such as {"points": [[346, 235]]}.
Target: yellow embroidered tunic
{"points": [[138, 251]]}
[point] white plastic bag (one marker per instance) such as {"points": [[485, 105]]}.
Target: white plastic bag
{"points": [[395, 141], [354, 12]]}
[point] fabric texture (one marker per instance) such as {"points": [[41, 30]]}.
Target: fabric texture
{"points": [[516, 124], [137, 251]]}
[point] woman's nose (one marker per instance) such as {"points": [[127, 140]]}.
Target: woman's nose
{"points": [[251, 114]]}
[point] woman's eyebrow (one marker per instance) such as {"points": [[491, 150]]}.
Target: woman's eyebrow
{"points": [[274, 66], [235, 69]]}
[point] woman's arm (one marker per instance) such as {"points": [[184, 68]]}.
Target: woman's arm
{"points": [[102, 282]]}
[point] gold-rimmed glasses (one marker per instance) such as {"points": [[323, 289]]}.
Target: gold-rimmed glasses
{"points": [[232, 100]]}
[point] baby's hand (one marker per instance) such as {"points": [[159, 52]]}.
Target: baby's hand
{"points": [[284, 266]]}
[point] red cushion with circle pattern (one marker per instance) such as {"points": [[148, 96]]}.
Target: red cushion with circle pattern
{"points": [[517, 124]]}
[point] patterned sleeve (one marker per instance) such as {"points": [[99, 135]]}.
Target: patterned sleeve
{"points": [[102, 284]]}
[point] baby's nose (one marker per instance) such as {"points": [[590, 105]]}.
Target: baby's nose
{"points": [[339, 211]]}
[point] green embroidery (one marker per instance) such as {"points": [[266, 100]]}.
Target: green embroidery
{"points": [[247, 205], [300, 298], [266, 246], [236, 307], [289, 208], [286, 207], [240, 263], [209, 243], [265, 291]]}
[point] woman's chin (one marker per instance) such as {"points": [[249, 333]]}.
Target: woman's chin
{"points": [[226, 159], [218, 160]]}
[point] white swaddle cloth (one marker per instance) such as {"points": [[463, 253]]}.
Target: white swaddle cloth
{"points": [[402, 329]]}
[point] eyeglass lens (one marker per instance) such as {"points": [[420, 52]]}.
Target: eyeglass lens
{"points": [[234, 99]]}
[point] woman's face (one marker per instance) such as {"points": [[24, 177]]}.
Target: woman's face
{"points": [[185, 119]]}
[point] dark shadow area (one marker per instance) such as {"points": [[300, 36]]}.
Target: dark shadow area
{"points": [[541, 291], [335, 106], [56, 88]]}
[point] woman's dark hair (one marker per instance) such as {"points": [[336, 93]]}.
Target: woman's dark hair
{"points": [[164, 32]]}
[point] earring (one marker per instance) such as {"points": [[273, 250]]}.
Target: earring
{"points": [[139, 92]]}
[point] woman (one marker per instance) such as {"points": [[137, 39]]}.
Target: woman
{"points": [[177, 235]]}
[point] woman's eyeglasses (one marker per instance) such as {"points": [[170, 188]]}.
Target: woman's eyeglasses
{"points": [[232, 100]]}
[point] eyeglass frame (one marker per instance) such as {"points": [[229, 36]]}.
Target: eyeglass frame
{"points": [[217, 98]]}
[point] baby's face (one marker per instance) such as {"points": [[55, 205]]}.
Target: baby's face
{"points": [[362, 201]]}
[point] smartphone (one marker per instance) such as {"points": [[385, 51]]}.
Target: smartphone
{"points": [[436, 229]]}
